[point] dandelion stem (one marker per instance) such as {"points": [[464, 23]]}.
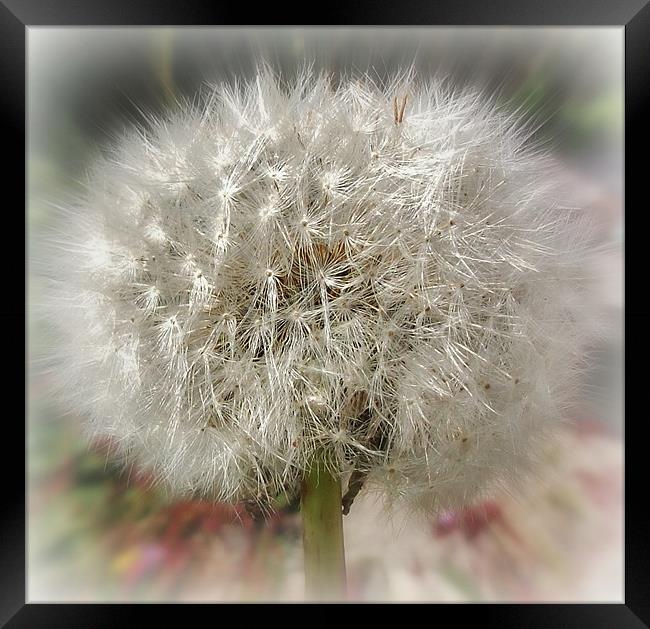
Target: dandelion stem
{"points": [[323, 533]]}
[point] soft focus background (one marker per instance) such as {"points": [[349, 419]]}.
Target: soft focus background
{"points": [[95, 534]]}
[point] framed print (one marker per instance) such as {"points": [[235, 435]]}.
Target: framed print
{"points": [[327, 314]]}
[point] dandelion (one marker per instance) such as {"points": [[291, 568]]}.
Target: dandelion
{"points": [[294, 285]]}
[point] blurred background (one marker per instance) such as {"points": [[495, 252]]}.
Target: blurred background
{"points": [[98, 534]]}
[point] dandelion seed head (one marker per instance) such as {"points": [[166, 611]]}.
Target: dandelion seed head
{"points": [[312, 267]]}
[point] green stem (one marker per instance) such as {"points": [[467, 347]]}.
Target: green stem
{"points": [[322, 521]]}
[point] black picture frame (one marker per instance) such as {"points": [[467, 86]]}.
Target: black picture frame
{"points": [[16, 16]]}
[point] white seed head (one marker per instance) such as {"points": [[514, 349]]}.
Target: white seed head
{"points": [[382, 272]]}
